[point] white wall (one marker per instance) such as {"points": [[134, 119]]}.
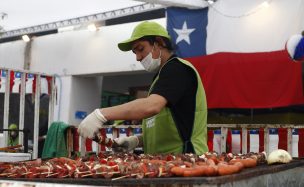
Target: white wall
{"points": [[85, 96], [85, 52], [248, 26], [12, 54], [75, 53], [62, 107]]}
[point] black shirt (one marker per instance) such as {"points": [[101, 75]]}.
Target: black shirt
{"points": [[177, 83]]}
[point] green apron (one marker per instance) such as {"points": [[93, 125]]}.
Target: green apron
{"points": [[160, 134]]}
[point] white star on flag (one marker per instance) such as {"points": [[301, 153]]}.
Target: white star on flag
{"points": [[183, 34]]}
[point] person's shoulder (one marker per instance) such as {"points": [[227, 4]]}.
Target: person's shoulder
{"points": [[177, 66]]}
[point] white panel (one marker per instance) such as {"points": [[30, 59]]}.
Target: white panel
{"points": [[295, 142], [12, 55], [264, 29], [254, 143], [85, 52], [2, 143], [62, 106], [85, 95], [236, 143], [273, 142], [217, 143]]}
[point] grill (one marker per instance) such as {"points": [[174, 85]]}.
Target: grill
{"points": [[290, 174]]}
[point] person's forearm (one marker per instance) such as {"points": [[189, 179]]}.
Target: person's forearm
{"points": [[137, 109]]}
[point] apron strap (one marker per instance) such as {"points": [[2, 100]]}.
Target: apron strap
{"points": [[188, 147]]}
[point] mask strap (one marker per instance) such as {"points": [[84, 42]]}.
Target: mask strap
{"points": [[153, 49]]}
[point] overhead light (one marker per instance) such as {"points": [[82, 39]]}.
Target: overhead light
{"points": [[65, 29], [265, 4], [26, 38], [210, 2], [92, 27]]}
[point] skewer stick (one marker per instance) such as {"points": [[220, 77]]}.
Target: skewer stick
{"points": [[101, 173], [121, 177], [52, 174], [86, 175], [12, 175], [26, 173], [64, 176], [148, 173], [81, 172], [114, 172], [124, 176], [48, 172], [5, 174]]}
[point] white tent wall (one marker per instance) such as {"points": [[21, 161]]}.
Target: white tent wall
{"points": [[252, 26], [85, 95], [79, 58], [12, 55], [85, 52]]}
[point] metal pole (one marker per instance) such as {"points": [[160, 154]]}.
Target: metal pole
{"points": [[36, 116], [21, 109], [52, 101], [6, 105]]}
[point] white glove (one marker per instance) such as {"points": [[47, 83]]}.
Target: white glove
{"points": [[91, 124], [125, 144]]}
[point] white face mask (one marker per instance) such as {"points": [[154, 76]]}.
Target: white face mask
{"points": [[150, 64]]}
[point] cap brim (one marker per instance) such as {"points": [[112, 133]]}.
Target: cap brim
{"points": [[127, 44]]}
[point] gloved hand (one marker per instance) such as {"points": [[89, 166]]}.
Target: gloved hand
{"points": [[91, 124], [125, 144]]}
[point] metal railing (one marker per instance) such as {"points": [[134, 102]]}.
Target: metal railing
{"points": [[24, 78], [82, 20], [244, 128]]}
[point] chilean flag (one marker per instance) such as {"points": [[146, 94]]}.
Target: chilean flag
{"points": [[242, 61]]}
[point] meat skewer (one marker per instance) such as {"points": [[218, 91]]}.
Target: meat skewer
{"points": [[125, 165]]}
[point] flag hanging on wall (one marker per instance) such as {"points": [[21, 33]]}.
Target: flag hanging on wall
{"points": [[242, 62]]}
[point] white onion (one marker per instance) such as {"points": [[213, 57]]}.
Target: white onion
{"points": [[279, 156]]}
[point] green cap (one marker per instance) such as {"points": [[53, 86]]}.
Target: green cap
{"points": [[13, 126], [146, 28]]}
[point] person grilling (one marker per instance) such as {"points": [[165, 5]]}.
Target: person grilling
{"points": [[175, 111]]}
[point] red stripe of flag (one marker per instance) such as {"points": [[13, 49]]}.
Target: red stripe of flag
{"points": [[261, 140], [250, 80], [282, 133], [210, 140]]}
